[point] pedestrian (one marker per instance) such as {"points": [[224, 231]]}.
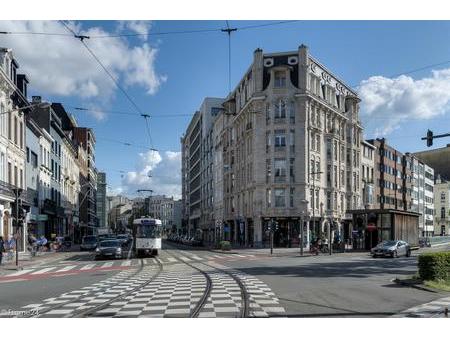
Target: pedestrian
{"points": [[2, 249]]}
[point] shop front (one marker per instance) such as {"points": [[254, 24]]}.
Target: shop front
{"points": [[370, 227], [285, 230]]}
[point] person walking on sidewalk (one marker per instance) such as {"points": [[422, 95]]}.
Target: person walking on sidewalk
{"points": [[2, 249]]}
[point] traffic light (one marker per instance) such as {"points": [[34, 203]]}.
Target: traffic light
{"points": [[429, 138]]}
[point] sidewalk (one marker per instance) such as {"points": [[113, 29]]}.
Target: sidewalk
{"points": [[435, 309], [26, 260], [293, 252]]}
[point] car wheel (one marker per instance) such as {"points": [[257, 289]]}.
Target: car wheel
{"points": [[408, 253], [396, 254]]}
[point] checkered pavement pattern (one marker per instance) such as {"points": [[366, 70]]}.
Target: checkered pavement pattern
{"points": [[174, 292], [262, 301], [434, 309], [68, 304]]}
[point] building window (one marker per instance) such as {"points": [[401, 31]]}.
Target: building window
{"points": [[280, 109], [291, 197], [328, 149], [16, 182], [329, 174], [280, 79], [291, 169], [21, 178], [442, 213], [15, 130], [280, 139], [328, 200], [268, 170], [269, 198], [28, 155], [280, 198], [21, 135], [280, 170]]}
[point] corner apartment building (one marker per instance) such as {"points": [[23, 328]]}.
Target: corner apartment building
{"points": [[288, 119]]}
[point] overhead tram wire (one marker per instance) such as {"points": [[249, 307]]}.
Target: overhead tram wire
{"points": [[125, 35], [133, 103], [129, 144], [118, 112]]}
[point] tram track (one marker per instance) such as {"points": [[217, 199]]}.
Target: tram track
{"points": [[40, 313], [245, 299], [91, 312]]}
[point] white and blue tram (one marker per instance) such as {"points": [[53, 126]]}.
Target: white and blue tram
{"points": [[148, 235]]}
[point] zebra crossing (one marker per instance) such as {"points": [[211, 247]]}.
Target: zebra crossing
{"points": [[73, 267]]}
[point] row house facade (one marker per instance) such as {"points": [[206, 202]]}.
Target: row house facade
{"points": [[13, 103], [43, 154]]}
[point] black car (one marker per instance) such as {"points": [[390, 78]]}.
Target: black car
{"points": [[88, 243], [109, 249]]}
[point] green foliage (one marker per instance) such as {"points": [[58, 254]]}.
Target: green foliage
{"points": [[225, 245], [434, 266]]}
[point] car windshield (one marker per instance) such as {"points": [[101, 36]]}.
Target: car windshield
{"points": [[389, 243], [90, 239], [109, 244], [122, 236]]}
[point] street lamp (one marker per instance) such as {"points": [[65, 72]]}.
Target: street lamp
{"points": [[313, 198]]}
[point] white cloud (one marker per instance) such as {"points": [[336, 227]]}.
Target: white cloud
{"points": [[390, 102], [60, 65], [165, 171], [136, 26]]}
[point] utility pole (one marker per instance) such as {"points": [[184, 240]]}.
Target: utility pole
{"points": [[229, 30], [17, 192]]}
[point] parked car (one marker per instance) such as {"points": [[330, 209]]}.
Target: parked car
{"points": [[88, 243], [109, 248], [392, 249]]}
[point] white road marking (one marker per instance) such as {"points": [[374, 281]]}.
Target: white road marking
{"points": [[172, 259], [87, 267], [126, 263], [107, 265], [185, 259], [42, 271], [66, 268], [18, 273]]}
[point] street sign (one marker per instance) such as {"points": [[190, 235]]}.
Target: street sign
{"points": [[371, 227]]}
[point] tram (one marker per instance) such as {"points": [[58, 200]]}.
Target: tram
{"points": [[148, 236]]}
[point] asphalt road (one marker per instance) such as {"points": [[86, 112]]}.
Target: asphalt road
{"points": [[341, 285], [350, 285]]}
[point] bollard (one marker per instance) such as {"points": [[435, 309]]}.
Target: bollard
{"points": [[446, 312]]}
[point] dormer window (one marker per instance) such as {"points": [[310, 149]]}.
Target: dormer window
{"points": [[280, 79]]}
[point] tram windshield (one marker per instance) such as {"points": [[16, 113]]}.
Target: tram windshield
{"points": [[148, 231]]}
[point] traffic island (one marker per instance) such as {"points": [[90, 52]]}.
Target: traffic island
{"points": [[433, 273]]}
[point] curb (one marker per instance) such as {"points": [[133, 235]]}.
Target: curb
{"points": [[415, 286]]}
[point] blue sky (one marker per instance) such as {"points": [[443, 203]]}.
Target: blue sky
{"points": [[185, 68]]}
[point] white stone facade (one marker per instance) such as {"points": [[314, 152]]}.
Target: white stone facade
{"points": [[287, 119]]}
